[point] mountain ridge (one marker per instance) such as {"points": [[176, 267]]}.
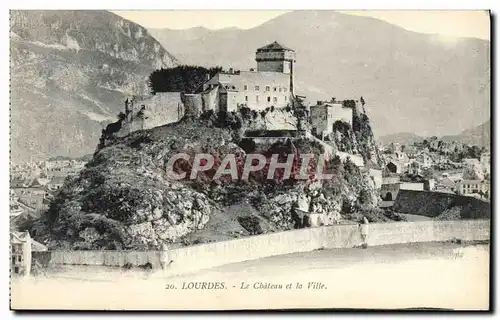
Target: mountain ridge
{"points": [[411, 81], [71, 72], [477, 135]]}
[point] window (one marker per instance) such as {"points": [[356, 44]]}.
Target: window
{"points": [[285, 89], [275, 89], [268, 88], [246, 98], [19, 258], [280, 89], [256, 88], [286, 98], [268, 99], [257, 99], [245, 87], [275, 99]]}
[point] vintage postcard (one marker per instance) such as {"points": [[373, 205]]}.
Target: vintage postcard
{"points": [[250, 160]]}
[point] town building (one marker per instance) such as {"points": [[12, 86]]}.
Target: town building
{"points": [[414, 168], [20, 253], [394, 166], [429, 185], [55, 183], [402, 157], [424, 159], [479, 188], [416, 186], [22, 248], [324, 114]]}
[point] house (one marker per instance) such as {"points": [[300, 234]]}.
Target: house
{"points": [[324, 114], [418, 186], [424, 160], [18, 183], [394, 166], [446, 184], [474, 187], [402, 157], [429, 185], [20, 253], [414, 168], [55, 183]]}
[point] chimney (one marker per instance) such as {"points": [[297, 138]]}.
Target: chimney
{"points": [[320, 102], [207, 76], [230, 70]]}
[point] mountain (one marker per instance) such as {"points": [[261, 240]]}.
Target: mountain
{"points": [[412, 82], [70, 74], [403, 138], [479, 135]]}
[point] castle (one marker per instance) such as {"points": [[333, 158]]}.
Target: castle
{"points": [[270, 85]]}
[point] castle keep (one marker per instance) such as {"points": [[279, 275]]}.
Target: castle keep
{"points": [[270, 85]]}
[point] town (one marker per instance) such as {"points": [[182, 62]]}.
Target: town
{"points": [[436, 166]]}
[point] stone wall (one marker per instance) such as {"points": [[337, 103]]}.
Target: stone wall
{"points": [[432, 204], [209, 255]]}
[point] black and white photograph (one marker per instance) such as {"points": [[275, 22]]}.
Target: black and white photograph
{"points": [[250, 159]]}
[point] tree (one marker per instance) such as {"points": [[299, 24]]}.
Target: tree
{"points": [[362, 104], [188, 79]]}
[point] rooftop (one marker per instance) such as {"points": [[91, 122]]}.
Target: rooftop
{"points": [[275, 46]]}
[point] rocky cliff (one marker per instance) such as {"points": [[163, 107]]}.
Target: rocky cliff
{"points": [[356, 139], [125, 199], [70, 73]]}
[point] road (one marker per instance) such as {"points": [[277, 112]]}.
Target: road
{"points": [[438, 275]]}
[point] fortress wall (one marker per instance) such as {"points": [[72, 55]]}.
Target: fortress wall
{"points": [[161, 108], [210, 100], [432, 204], [193, 258], [341, 113], [193, 104]]}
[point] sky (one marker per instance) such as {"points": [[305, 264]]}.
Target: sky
{"points": [[447, 23]]}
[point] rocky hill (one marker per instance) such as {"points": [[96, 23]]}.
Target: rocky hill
{"points": [[413, 82], [70, 74], [124, 197]]}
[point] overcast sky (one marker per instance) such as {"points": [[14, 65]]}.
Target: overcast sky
{"points": [[448, 23]]}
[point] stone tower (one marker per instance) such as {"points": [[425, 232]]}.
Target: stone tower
{"points": [[275, 57]]}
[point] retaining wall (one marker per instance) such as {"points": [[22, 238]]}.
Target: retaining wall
{"points": [[341, 236], [432, 204]]}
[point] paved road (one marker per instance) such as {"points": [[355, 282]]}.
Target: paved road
{"points": [[395, 276]]}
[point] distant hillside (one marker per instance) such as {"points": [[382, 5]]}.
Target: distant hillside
{"points": [[479, 135], [70, 74], [403, 138], [412, 82]]}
